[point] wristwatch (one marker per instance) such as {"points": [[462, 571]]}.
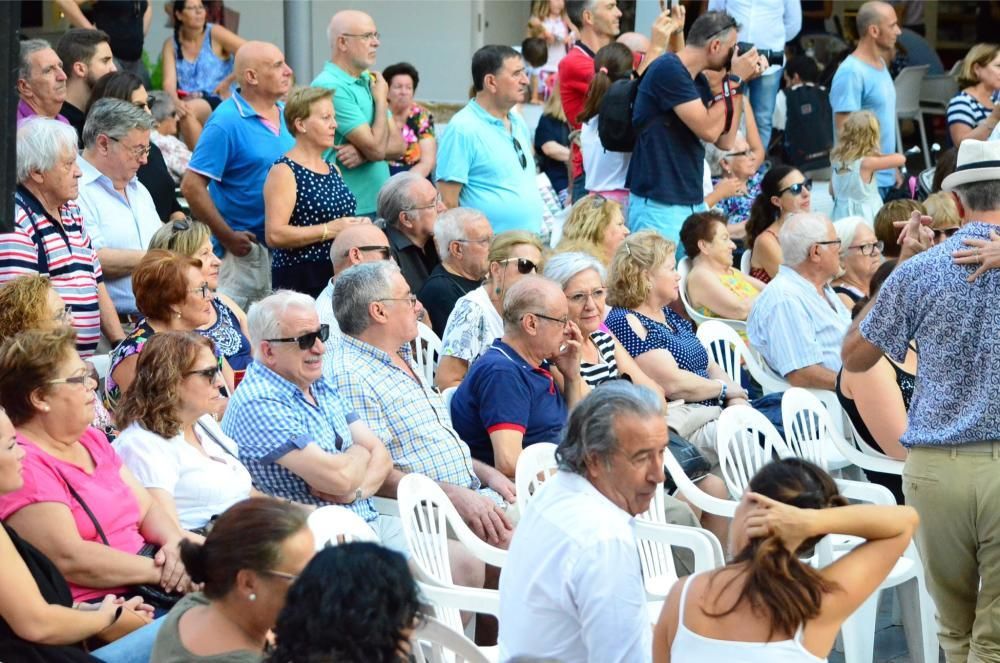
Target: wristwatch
{"points": [[735, 80]]}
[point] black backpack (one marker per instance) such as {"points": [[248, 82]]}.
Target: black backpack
{"points": [[808, 127], [614, 119]]}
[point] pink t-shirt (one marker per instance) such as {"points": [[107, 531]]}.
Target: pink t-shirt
{"points": [[109, 498]]}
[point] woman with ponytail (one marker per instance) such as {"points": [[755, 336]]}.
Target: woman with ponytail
{"points": [[252, 555], [783, 191], [767, 604]]}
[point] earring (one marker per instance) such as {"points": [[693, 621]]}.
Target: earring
{"points": [[252, 597], [178, 315], [45, 408], [497, 291]]}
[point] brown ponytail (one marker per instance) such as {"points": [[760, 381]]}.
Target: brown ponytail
{"points": [[611, 63]]}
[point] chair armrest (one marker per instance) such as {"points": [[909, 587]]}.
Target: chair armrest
{"points": [[863, 491], [486, 601], [479, 548], [696, 495], [706, 548], [867, 461]]}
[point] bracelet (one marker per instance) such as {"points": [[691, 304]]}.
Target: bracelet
{"points": [[722, 394], [326, 231]]}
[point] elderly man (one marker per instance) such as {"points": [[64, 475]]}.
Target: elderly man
{"points": [[952, 472], [49, 237], [354, 245], [41, 81], [409, 205], [572, 588], [463, 236], [374, 372], [367, 136], [86, 56], [298, 439], [798, 322], [224, 183], [510, 397], [484, 157], [120, 215]]}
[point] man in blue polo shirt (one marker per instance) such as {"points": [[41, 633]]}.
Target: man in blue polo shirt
{"points": [[484, 157], [510, 398], [366, 134], [224, 183]]}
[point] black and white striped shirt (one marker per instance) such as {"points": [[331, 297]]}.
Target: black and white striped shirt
{"points": [[966, 109], [607, 369]]}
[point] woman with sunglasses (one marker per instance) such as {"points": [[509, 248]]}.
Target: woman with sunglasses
{"points": [[596, 226], [783, 191], [170, 439], [227, 325], [476, 321], [172, 294], [941, 207], [253, 554], [860, 256]]}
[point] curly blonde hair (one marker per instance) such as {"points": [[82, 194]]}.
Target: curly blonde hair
{"points": [[638, 255], [587, 225], [184, 237], [28, 361], [154, 400], [859, 138], [24, 305]]}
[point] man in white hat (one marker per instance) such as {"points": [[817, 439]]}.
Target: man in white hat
{"points": [[952, 474]]}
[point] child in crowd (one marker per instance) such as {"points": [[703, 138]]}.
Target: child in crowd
{"points": [[855, 160], [550, 22], [534, 52]]}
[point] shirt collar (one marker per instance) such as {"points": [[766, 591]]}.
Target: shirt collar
{"points": [[482, 114], [335, 71], [376, 353], [244, 108], [801, 281], [579, 484], [92, 174], [398, 238]]}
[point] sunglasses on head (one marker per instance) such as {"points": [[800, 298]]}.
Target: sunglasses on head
{"points": [[524, 266], [306, 341], [796, 188], [520, 153]]}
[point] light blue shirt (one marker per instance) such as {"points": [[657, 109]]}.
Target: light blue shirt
{"points": [[477, 151], [860, 86], [792, 326], [114, 221], [759, 18]]}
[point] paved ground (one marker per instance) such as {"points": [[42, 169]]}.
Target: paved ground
{"points": [[890, 641]]}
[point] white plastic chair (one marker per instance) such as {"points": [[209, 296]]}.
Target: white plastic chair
{"points": [[746, 441], [809, 430], [446, 397], [695, 495], [908, 83], [333, 525], [684, 268], [728, 350], [745, 262], [865, 456], [434, 642], [428, 353], [535, 465]]}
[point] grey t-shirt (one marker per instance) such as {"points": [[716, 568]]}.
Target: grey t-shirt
{"points": [[169, 649]]}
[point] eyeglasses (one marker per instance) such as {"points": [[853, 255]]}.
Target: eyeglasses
{"points": [[306, 341], [744, 153], [484, 240], [830, 242], [181, 225], [796, 188], [202, 290], [409, 298], [65, 315], [367, 36], [520, 153], [945, 232], [869, 248], [580, 298], [524, 266], [563, 321], [138, 151], [290, 577], [209, 374], [437, 201], [81, 380], [384, 250]]}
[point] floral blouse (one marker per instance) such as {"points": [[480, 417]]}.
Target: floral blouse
{"points": [[737, 208], [419, 125]]}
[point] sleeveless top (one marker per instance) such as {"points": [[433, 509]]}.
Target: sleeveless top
{"points": [[760, 273], [229, 338], [907, 382], [607, 369], [851, 196], [319, 198], [735, 282], [690, 647], [850, 291], [205, 73]]}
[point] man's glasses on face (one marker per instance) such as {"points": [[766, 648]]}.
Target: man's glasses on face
{"points": [[485, 241], [137, 151], [366, 36], [562, 322], [305, 341], [409, 298], [437, 201], [384, 250]]}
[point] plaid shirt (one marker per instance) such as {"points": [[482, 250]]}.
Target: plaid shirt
{"points": [[405, 414], [269, 416]]}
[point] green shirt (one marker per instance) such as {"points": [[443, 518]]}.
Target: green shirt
{"points": [[169, 649], [354, 106]]}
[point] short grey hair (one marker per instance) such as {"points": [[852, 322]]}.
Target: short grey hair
{"points": [[980, 196], [356, 288], [451, 226], [869, 14], [161, 105], [265, 317], [521, 298], [590, 431], [394, 197], [847, 228], [714, 156], [798, 234], [114, 118], [564, 266], [28, 48], [41, 144]]}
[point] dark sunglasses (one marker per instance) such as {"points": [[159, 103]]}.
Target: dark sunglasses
{"points": [[796, 188], [208, 373], [524, 266], [946, 232], [520, 153], [306, 341], [384, 250]]}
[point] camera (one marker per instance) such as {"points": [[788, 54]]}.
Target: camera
{"points": [[773, 57]]}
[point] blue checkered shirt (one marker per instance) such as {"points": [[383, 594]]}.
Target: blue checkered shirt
{"points": [[409, 418], [269, 416]]}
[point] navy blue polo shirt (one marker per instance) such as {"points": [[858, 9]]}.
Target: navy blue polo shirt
{"points": [[668, 161], [503, 392]]}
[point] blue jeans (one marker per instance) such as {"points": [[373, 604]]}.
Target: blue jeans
{"points": [[579, 187], [647, 214], [136, 647], [763, 92]]}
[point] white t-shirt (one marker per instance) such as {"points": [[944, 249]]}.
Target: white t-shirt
{"points": [[202, 486], [604, 170]]}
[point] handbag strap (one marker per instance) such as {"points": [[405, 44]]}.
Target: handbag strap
{"points": [[90, 514], [222, 446]]}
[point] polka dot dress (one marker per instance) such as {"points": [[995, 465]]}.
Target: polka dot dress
{"points": [[677, 337], [320, 198]]}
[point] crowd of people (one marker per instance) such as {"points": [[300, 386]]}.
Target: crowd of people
{"points": [[213, 298]]}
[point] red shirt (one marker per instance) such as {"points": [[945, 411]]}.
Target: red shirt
{"points": [[576, 70]]}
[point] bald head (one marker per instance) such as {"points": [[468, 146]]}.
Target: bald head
{"points": [[251, 55], [346, 249], [636, 42], [262, 72], [348, 22], [528, 295], [873, 13]]}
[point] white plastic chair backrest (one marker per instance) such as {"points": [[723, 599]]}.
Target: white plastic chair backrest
{"points": [[427, 353], [333, 525], [727, 349], [434, 642], [535, 465], [858, 491], [807, 425], [658, 570], [938, 89], [745, 262], [746, 442], [446, 396], [907, 84]]}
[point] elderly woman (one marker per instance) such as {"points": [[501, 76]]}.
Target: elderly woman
{"points": [[414, 121], [974, 111], [306, 203], [735, 181], [783, 191], [475, 321], [714, 287], [79, 506], [170, 439], [227, 325], [596, 225], [173, 295], [44, 208], [253, 554], [176, 153], [860, 256]]}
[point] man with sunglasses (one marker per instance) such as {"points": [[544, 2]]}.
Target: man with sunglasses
{"points": [[798, 322], [485, 160]]}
